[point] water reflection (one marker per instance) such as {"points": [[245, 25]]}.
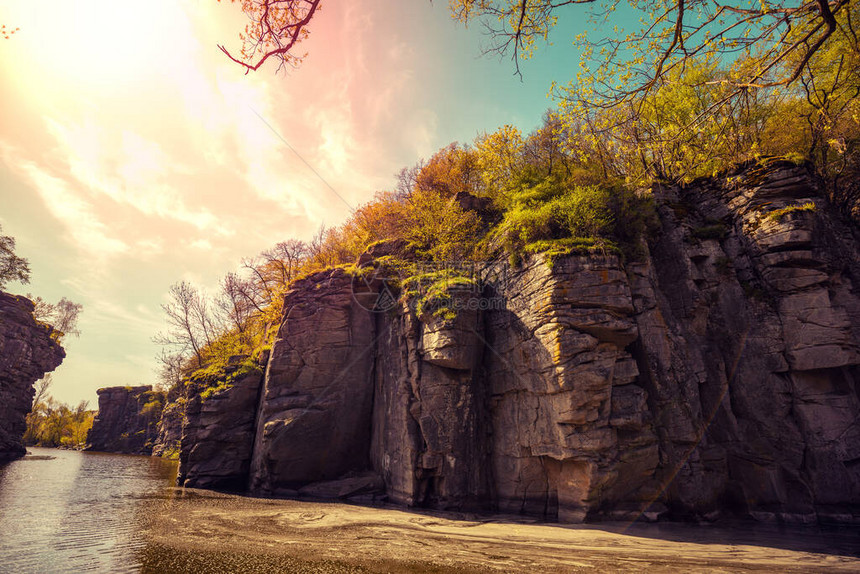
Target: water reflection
{"points": [[66, 511]]}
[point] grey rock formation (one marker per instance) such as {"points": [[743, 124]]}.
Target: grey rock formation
{"points": [[314, 418], [719, 374], [127, 420], [169, 437], [27, 352], [218, 432], [749, 346]]}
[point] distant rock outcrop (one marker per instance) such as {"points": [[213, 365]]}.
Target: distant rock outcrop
{"points": [[718, 374], [127, 420], [27, 352]]}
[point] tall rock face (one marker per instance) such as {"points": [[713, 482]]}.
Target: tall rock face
{"points": [[431, 417], [749, 321], [219, 426], [127, 421], [572, 432], [314, 421], [719, 374], [27, 352]]}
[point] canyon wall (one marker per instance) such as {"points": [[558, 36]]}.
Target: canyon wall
{"points": [[27, 352], [717, 374], [127, 421]]}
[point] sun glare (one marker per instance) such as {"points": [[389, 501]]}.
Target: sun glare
{"points": [[96, 44]]}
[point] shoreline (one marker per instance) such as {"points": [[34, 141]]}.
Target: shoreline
{"points": [[194, 528]]}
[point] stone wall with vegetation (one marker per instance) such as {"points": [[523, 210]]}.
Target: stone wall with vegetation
{"points": [[716, 373]]}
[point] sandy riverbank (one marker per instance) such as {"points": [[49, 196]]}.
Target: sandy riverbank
{"points": [[209, 532]]}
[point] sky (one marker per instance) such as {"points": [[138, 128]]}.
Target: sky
{"points": [[134, 154]]}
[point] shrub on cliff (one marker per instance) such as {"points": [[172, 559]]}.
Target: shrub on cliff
{"points": [[778, 214], [547, 210]]}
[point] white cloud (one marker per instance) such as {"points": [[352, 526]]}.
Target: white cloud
{"points": [[201, 244], [87, 231], [127, 168], [158, 168], [103, 312]]}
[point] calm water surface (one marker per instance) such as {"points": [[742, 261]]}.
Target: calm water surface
{"points": [[67, 511]]}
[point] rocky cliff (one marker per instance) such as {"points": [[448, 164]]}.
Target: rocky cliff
{"points": [[127, 420], [218, 426], [27, 352], [718, 374]]}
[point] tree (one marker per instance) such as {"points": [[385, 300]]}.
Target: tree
{"points": [[237, 301], [499, 157], [12, 267], [41, 386], [275, 30], [777, 39], [62, 316], [190, 324], [439, 228], [673, 32], [545, 146], [450, 170], [170, 370], [53, 424], [754, 52], [757, 55]]}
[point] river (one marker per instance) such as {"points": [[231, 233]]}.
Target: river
{"points": [[65, 511]]}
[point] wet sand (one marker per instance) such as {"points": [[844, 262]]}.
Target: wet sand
{"points": [[201, 531]]}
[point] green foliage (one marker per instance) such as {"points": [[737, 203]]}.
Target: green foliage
{"points": [[711, 231], [170, 453], [62, 316], [432, 292], [218, 378], [152, 407], [12, 267], [209, 392], [53, 424], [540, 210], [438, 228], [554, 249], [509, 194], [778, 214], [694, 88], [256, 355]]}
